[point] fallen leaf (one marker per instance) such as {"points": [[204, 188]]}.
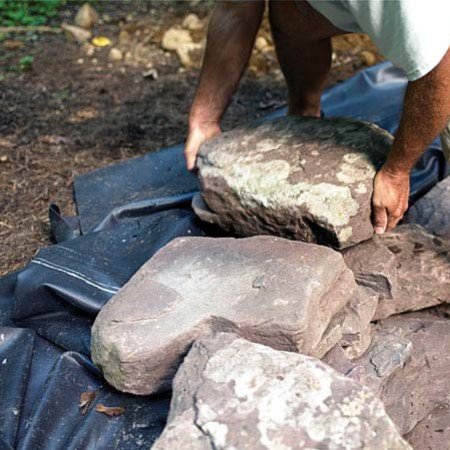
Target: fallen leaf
{"points": [[101, 41], [83, 114], [86, 400], [6, 143], [11, 44], [150, 73], [110, 410]]}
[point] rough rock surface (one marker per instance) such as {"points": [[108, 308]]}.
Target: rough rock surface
{"points": [[233, 394], [432, 211], [407, 366], [408, 268], [285, 294], [433, 432], [301, 178]]}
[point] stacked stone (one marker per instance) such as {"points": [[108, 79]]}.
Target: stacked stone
{"points": [[286, 294], [237, 327]]}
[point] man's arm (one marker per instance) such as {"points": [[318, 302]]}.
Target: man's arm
{"points": [[231, 36], [426, 110]]}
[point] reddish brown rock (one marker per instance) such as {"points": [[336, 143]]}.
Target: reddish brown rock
{"points": [[285, 294], [433, 432], [233, 394], [408, 268], [301, 178], [407, 366]]}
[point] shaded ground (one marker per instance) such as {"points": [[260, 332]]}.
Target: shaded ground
{"points": [[75, 110]]}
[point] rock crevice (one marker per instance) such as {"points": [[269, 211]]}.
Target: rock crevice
{"points": [[408, 268]]}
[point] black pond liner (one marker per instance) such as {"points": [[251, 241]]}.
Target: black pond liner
{"points": [[126, 213]]}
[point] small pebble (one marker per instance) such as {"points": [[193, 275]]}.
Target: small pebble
{"points": [[115, 54], [368, 58]]}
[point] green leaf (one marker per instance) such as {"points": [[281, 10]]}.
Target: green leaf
{"points": [[26, 62], [27, 12]]}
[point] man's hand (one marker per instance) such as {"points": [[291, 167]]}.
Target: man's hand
{"points": [[390, 199], [197, 135], [426, 110]]}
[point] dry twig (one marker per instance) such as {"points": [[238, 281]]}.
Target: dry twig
{"points": [[30, 29]]}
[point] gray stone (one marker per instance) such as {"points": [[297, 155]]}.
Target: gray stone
{"points": [[233, 394], [408, 268], [285, 294], [432, 211], [407, 366], [307, 179]]}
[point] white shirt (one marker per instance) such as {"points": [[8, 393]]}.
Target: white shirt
{"points": [[413, 34]]}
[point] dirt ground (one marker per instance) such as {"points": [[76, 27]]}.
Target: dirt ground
{"points": [[73, 110]]}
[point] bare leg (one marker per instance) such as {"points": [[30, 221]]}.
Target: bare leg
{"points": [[302, 39]]}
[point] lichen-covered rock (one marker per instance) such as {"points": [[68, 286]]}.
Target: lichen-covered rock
{"points": [[285, 294], [407, 366], [233, 394], [301, 178], [408, 268], [432, 211]]}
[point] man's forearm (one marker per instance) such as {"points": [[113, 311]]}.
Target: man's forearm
{"points": [[426, 110], [231, 35]]}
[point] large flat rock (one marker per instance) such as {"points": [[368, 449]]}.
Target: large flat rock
{"points": [[432, 211], [408, 268], [285, 294], [300, 178], [233, 394], [407, 366]]}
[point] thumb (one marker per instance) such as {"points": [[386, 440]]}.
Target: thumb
{"points": [[190, 152], [190, 160], [379, 219]]}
